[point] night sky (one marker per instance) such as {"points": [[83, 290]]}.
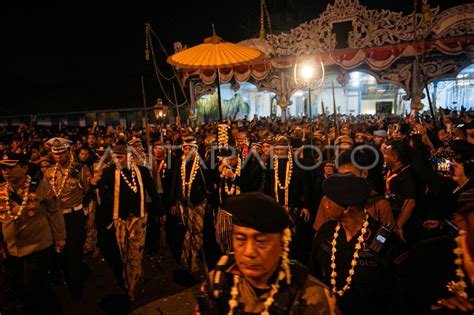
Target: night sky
{"points": [[82, 55]]}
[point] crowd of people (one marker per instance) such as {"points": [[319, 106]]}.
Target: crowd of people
{"points": [[355, 215]]}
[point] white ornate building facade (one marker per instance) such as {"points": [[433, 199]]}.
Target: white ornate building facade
{"points": [[372, 57]]}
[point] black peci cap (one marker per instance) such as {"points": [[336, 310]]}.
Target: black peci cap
{"points": [[257, 211], [346, 189]]}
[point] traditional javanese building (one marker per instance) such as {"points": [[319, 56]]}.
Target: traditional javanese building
{"points": [[377, 60]]}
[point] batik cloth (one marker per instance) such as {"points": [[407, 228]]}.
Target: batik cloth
{"points": [[130, 235], [193, 219]]}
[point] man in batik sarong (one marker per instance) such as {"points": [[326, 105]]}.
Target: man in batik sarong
{"points": [[190, 195], [127, 186]]}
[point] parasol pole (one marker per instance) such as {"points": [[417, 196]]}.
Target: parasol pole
{"points": [[219, 106], [178, 116]]}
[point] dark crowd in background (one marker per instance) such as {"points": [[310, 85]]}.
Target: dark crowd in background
{"points": [[116, 192]]}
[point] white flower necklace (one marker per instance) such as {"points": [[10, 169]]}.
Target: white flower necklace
{"points": [[358, 246], [26, 190], [459, 287], [222, 135], [58, 190], [233, 189], [289, 172], [192, 176], [133, 186]]}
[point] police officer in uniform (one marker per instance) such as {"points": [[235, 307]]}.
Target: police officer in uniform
{"points": [[31, 225], [259, 277], [69, 183]]}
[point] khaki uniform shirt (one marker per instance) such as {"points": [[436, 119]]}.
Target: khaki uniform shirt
{"points": [[75, 187], [39, 225]]}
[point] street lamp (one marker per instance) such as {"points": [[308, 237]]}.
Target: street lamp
{"points": [[306, 73], [160, 110]]}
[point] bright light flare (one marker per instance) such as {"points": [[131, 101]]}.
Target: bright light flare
{"points": [[307, 72]]}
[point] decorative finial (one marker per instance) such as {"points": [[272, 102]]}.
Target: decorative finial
{"points": [[213, 30], [262, 23], [426, 12], [214, 39]]}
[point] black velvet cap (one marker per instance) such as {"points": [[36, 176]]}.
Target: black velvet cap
{"points": [[257, 211], [346, 189], [120, 147], [223, 152]]}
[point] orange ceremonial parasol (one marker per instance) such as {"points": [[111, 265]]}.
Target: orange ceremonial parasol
{"points": [[214, 53]]}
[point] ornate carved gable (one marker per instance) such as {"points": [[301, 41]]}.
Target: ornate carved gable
{"points": [[370, 28], [456, 21]]}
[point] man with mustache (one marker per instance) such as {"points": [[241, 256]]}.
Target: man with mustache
{"points": [[259, 277]]}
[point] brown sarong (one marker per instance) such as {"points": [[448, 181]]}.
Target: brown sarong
{"points": [[130, 235]]}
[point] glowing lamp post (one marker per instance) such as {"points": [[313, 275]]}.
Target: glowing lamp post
{"points": [[160, 110], [306, 74]]}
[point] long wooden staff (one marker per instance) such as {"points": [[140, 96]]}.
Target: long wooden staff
{"points": [[336, 122]]}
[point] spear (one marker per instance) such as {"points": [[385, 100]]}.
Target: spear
{"points": [[326, 132], [336, 122]]}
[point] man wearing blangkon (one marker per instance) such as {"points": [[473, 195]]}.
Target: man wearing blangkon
{"points": [[259, 278]]}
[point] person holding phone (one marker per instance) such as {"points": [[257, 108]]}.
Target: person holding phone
{"points": [[439, 273]]}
